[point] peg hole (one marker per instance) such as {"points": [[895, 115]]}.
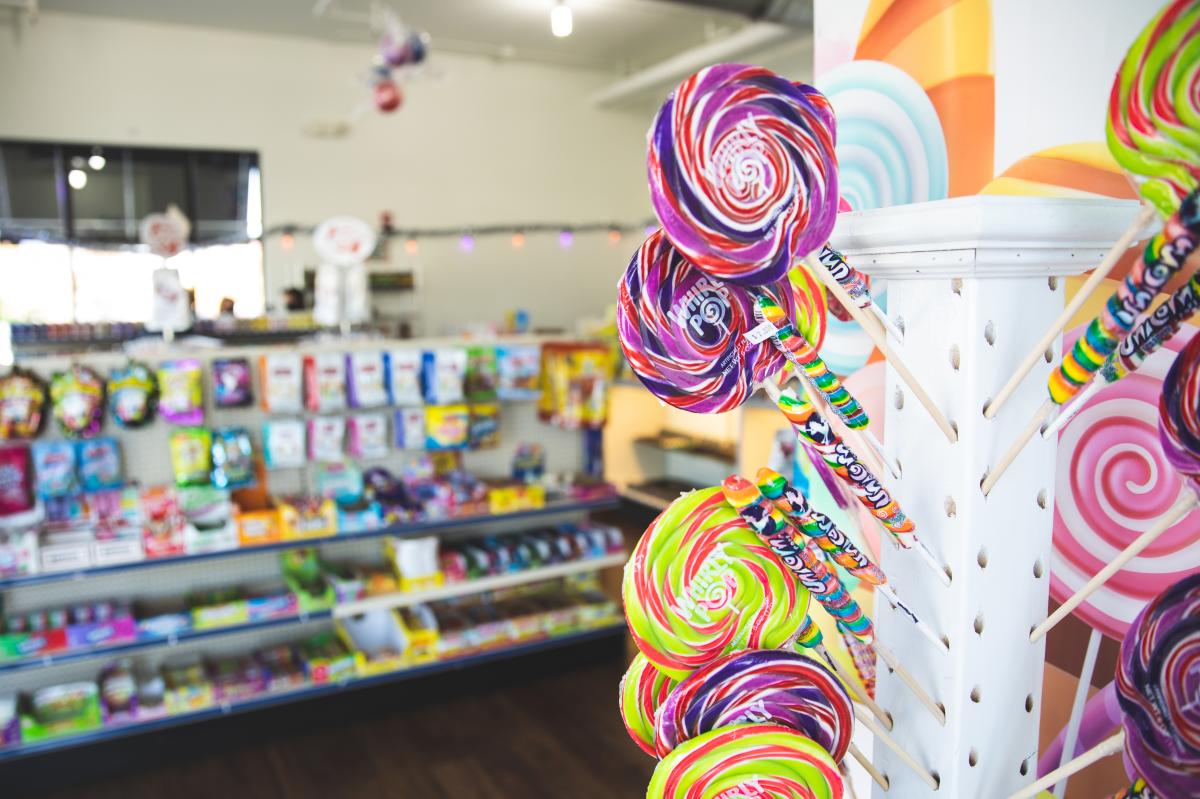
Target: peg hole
{"points": [[1048, 355], [978, 625], [954, 427], [1029, 703], [973, 758], [887, 783], [956, 285], [946, 641], [989, 333], [982, 558], [949, 573], [898, 399], [900, 323], [899, 467], [951, 508], [1024, 768], [955, 360], [1038, 569], [976, 694], [1042, 499], [983, 480], [1052, 282], [986, 403], [937, 779]]}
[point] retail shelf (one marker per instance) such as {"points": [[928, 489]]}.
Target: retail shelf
{"points": [[307, 692], [401, 530], [401, 599]]}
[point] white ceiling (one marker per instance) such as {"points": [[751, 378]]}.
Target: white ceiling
{"points": [[614, 35]]}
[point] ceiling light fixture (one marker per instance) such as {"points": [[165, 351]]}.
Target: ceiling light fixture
{"points": [[562, 22], [77, 178], [97, 160]]}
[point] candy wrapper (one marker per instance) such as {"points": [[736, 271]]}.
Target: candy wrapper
{"points": [[366, 385], [447, 426], [575, 381], [181, 392], [232, 458], [54, 468], [404, 377], [282, 383], [325, 382], [16, 495], [485, 426], [518, 367], [341, 481], [77, 401], [99, 464], [367, 435], [22, 402], [284, 444], [443, 371], [482, 376], [409, 427], [231, 383], [326, 438], [132, 391], [191, 456], [529, 463]]}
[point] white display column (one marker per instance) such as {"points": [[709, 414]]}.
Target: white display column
{"points": [[973, 282]]}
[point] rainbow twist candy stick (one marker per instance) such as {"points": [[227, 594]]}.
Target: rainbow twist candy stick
{"points": [[863, 658], [643, 690], [821, 582], [1138, 790], [852, 280], [817, 526], [797, 350], [766, 761]]}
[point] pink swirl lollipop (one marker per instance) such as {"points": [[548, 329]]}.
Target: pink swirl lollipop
{"points": [[743, 174], [684, 332], [1113, 483]]}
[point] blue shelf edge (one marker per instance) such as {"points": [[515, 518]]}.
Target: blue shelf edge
{"points": [[402, 530], [308, 692]]}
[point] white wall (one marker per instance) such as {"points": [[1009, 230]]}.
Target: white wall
{"points": [[483, 143]]}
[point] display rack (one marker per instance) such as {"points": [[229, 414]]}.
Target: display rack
{"points": [[972, 282]]}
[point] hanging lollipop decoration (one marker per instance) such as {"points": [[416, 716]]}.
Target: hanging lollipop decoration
{"points": [[400, 49]]}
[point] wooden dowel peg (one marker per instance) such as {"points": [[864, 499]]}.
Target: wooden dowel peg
{"points": [[1039, 418], [1184, 505], [1081, 696], [1086, 290], [887, 740], [869, 767], [872, 329], [910, 682], [852, 685], [1100, 751]]}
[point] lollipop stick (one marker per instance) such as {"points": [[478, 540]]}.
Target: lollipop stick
{"points": [[886, 321], [1081, 695], [853, 687], [1086, 290], [890, 743], [1067, 414], [879, 458], [925, 699], [1176, 512], [868, 767], [1102, 750], [922, 627], [876, 334], [1042, 414]]}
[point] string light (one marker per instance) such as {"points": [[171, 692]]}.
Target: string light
{"points": [[650, 230], [287, 241], [466, 243], [518, 240], [614, 236], [565, 239], [411, 246]]}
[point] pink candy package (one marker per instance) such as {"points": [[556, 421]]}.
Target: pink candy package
{"points": [[15, 488]]}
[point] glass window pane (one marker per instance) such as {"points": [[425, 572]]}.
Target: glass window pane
{"points": [[159, 180], [113, 285], [97, 195], [28, 196], [37, 282], [219, 271]]}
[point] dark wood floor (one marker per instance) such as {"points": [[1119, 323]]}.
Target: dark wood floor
{"points": [[556, 735]]}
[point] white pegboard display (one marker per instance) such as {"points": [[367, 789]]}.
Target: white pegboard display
{"points": [[973, 282]]}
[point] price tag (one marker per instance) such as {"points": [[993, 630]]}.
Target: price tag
{"points": [[760, 332]]}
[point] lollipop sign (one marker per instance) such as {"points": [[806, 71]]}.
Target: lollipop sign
{"points": [[344, 240], [165, 234]]}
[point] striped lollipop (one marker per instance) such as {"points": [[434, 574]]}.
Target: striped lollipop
{"points": [[742, 171], [643, 690], [766, 761], [759, 686], [683, 331], [1179, 413]]}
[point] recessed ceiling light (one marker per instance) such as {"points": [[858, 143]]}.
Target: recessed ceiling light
{"points": [[562, 22]]}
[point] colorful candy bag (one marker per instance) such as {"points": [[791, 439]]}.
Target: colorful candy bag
{"points": [[231, 383], [409, 426], [366, 384], [368, 436], [54, 468], [518, 367], [131, 393], [485, 426], [341, 481], [191, 456], [326, 438], [575, 380], [443, 371], [16, 495], [447, 426], [22, 400], [482, 376], [232, 458], [282, 383], [181, 392], [325, 381], [98, 462], [284, 444], [529, 462], [77, 401], [404, 377]]}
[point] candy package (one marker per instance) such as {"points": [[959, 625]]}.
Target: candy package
{"points": [[443, 372], [284, 444], [232, 458], [326, 438], [479, 382], [341, 481], [231, 383], [282, 383], [447, 426], [16, 495], [485, 426], [99, 464], [325, 381], [191, 455], [132, 391], [366, 386], [181, 392], [367, 435], [404, 377], [409, 426], [77, 401], [529, 463], [575, 380], [518, 367], [22, 402], [54, 468]]}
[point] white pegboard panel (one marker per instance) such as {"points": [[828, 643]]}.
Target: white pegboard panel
{"points": [[972, 280]]}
